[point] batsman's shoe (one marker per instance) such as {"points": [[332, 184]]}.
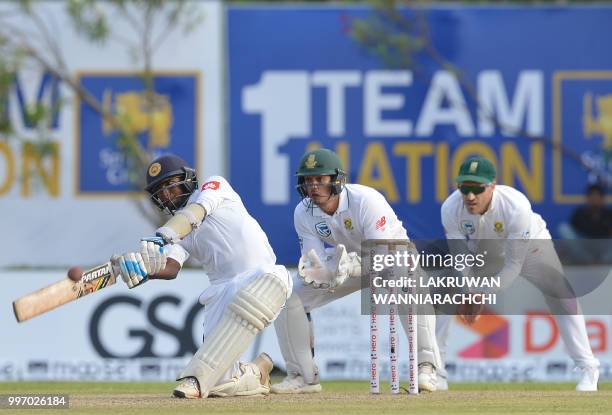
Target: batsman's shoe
{"points": [[187, 389], [442, 383], [295, 384], [253, 379], [428, 381], [265, 365], [588, 379]]}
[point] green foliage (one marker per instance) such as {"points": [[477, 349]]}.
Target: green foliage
{"points": [[44, 148], [38, 115], [6, 81], [444, 2], [92, 21], [88, 19], [149, 23], [397, 33], [388, 35], [394, 48]]}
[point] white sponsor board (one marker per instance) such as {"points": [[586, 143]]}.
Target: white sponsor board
{"points": [[49, 215], [150, 333], [532, 350]]}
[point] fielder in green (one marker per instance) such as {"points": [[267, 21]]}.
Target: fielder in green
{"points": [[481, 210], [341, 215]]}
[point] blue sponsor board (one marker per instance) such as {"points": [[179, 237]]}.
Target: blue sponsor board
{"points": [[169, 124], [581, 120], [298, 79]]}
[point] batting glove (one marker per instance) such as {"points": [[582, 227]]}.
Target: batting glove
{"points": [[153, 254], [131, 268]]}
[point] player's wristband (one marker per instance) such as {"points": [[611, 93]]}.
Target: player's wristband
{"points": [[167, 235], [157, 240]]}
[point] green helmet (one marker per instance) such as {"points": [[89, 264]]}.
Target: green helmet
{"points": [[321, 162]]}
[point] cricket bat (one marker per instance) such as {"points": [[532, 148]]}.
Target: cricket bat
{"points": [[62, 292]]}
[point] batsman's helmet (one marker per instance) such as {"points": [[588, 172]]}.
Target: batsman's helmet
{"points": [[321, 162], [159, 173]]}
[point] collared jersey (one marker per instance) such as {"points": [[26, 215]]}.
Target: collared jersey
{"points": [[363, 213], [509, 217], [229, 241]]}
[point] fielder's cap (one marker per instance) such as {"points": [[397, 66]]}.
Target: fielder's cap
{"points": [[476, 169]]}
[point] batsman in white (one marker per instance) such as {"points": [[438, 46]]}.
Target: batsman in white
{"points": [[341, 215], [481, 210], [247, 289]]}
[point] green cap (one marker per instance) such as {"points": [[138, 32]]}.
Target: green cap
{"points": [[321, 162], [476, 169]]}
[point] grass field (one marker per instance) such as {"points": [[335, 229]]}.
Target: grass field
{"points": [[338, 398]]}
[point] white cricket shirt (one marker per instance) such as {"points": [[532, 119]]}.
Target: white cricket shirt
{"points": [[229, 241], [509, 217], [363, 213]]}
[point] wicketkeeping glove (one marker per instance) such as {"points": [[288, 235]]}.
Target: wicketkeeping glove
{"points": [[313, 272], [331, 273]]}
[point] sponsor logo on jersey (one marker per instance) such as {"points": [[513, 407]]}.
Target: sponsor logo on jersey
{"points": [[348, 224], [212, 185], [467, 227], [498, 226], [323, 229], [380, 223]]}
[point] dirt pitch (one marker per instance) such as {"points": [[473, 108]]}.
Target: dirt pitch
{"points": [[338, 398]]}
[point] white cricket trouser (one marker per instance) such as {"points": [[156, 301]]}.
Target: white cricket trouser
{"points": [[313, 298], [217, 297]]}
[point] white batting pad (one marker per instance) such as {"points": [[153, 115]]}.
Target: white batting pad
{"points": [[253, 308], [293, 331]]}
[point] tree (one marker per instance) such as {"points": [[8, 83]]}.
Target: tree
{"points": [[27, 40], [397, 33]]}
